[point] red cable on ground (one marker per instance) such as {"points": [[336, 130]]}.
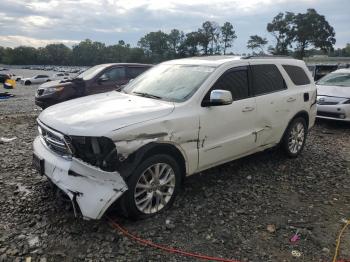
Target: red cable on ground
{"points": [[165, 248]]}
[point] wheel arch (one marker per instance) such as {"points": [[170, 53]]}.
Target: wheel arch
{"points": [[154, 148], [302, 114]]}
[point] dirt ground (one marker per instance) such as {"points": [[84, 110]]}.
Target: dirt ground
{"points": [[246, 210]]}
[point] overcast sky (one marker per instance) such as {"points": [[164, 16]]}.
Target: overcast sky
{"points": [[39, 22]]}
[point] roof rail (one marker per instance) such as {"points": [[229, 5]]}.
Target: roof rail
{"points": [[266, 57]]}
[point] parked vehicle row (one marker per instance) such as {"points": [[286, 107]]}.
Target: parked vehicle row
{"points": [[135, 147]]}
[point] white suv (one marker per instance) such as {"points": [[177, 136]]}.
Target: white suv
{"points": [[175, 120]]}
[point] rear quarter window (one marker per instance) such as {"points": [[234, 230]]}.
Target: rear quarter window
{"points": [[297, 75], [267, 79], [134, 72]]}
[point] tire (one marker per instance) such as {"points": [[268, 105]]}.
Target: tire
{"points": [[294, 138], [138, 196], [27, 83]]}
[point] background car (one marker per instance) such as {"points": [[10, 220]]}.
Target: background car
{"points": [[97, 79], [38, 79], [320, 70], [59, 76], [333, 95]]}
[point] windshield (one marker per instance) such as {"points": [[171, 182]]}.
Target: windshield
{"points": [[175, 83], [335, 79], [91, 72]]}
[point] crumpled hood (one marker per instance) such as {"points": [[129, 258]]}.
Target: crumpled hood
{"points": [[98, 115], [55, 83], [337, 91]]}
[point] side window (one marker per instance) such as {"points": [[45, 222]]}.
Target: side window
{"points": [[234, 80], [136, 71], [267, 79], [115, 74], [297, 75], [41, 76]]}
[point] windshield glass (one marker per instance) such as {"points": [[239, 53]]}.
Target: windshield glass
{"points": [[335, 79], [175, 83], [91, 72]]}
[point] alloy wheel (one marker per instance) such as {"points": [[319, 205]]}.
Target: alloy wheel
{"points": [[155, 188]]}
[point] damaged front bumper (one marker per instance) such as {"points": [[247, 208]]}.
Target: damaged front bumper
{"points": [[93, 189]]}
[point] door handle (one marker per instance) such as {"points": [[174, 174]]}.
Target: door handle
{"points": [[291, 99], [248, 109]]}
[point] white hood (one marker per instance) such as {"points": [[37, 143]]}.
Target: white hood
{"points": [[336, 91], [100, 114]]}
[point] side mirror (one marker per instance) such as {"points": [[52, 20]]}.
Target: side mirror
{"points": [[219, 98], [102, 79]]}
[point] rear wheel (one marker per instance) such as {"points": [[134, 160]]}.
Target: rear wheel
{"points": [[295, 137], [27, 83], [152, 187]]}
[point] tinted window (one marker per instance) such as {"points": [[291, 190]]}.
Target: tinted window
{"points": [[267, 79], [297, 75], [115, 74], [41, 76], [135, 71], [235, 81]]}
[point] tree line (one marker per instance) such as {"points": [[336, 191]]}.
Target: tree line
{"points": [[299, 35]]}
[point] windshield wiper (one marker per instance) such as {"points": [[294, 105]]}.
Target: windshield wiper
{"points": [[147, 95]]}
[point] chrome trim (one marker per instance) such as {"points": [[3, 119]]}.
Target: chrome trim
{"points": [[50, 141]]}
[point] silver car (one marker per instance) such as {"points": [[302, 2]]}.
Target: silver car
{"points": [[333, 96]]}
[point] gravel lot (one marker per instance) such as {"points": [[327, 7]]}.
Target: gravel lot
{"points": [[245, 210]]}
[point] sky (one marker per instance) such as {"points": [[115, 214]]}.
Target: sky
{"points": [[40, 22]]}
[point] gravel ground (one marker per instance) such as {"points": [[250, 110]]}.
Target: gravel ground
{"points": [[245, 210]]}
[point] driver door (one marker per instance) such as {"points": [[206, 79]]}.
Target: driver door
{"points": [[228, 131], [109, 80]]}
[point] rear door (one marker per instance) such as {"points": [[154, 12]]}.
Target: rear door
{"points": [[273, 102], [227, 131], [109, 80]]}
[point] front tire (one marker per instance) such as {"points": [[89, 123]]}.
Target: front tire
{"points": [[295, 137], [153, 187], [27, 83]]}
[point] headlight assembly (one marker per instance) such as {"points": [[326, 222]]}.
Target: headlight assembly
{"points": [[50, 90]]}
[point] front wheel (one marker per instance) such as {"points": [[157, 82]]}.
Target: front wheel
{"points": [[295, 136], [152, 187]]}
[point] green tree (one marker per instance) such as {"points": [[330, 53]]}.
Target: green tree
{"points": [[58, 54], [155, 45], [209, 34], [24, 55], [281, 29], [191, 43], [257, 42], [312, 29], [176, 39], [88, 53], [228, 35]]}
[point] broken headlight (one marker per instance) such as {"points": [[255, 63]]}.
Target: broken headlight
{"points": [[97, 151]]}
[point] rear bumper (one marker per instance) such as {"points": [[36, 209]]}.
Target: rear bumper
{"points": [[93, 189]]}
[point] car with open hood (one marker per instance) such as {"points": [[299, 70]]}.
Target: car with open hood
{"points": [[135, 147], [333, 96], [97, 79]]}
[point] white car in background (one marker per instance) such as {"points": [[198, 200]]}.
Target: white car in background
{"points": [[333, 96], [174, 120], [59, 76], [38, 79]]}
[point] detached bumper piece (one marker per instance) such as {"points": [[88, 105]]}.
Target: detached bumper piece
{"points": [[91, 188]]}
